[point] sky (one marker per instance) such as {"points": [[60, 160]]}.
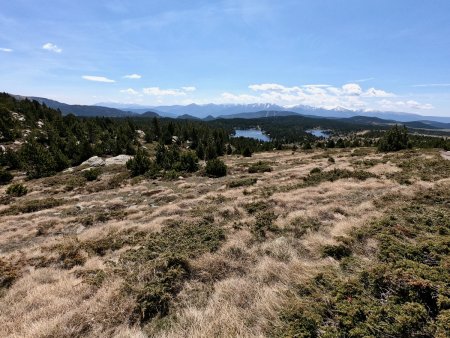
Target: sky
{"points": [[368, 55]]}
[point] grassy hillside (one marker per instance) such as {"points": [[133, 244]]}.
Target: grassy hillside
{"points": [[316, 243]]}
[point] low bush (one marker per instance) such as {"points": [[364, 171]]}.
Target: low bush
{"points": [[70, 253], [317, 177], [257, 206], [315, 170], [402, 292], [17, 190], [244, 182], [247, 152], [216, 168], [336, 251], [91, 174], [301, 225], [259, 167], [32, 206], [8, 274], [5, 176], [264, 223], [155, 271]]}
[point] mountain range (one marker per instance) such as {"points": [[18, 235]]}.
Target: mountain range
{"points": [[246, 111]]}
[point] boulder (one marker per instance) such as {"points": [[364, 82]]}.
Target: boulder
{"points": [[121, 160], [94, 161]]}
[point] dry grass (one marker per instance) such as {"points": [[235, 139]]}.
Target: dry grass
{"points": [[236, 290]]}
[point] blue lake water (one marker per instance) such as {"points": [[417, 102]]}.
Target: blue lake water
{"points": [[319, 133], [252, 133]]}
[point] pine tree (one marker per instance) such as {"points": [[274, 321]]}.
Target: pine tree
{"points": [[37, 159], [140, 164], [247, 152], [229, 149], [394, 139], [210, 152], [156, 128], [200, 151]]}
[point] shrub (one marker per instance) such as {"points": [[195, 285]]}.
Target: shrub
{"points": [[331, 160], [259, 167], [91, 174], [32, 206], [70, 253], [216, 168], [171, 175], [140, 164], [333, 175], [5, 176], [242, 182], [306, 146], [8, 274], [247, 152], [188, 162], [156, 270], [315, 170], [336, 251], [17, 190], [264, 222]]}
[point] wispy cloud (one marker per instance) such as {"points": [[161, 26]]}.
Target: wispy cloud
{"points": [[51, 47], [6, 50], [156, 91], [432, 85], [189, 89], [130, 91], [97, 78], [133, 76], [364, 80], [410, 104]]}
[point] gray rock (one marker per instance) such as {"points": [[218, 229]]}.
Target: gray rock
{"points": [[80, 229], [121, 160], [94, 161]]}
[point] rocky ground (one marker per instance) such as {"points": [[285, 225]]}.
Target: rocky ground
{"points": [[195, 256]]}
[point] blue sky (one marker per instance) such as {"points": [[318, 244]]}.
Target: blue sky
{"points": [[387, 55]]}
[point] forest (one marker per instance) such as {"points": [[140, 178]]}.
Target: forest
{"points": [[42, 142]]}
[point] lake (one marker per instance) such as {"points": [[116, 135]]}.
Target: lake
{"points": [[319, 133], [252, 133]]}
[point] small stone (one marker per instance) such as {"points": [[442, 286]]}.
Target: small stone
{"points": [[80, 229]]}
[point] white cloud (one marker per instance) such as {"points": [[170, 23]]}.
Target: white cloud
{"points": [[51, 47], [189, 88], [6, 50], [350, 96], [352, 89], [410, 104], [364, 80], [432, 85], [130, 91], [133, 76], [242, 98], [97, 79], [372, 92], [156, 91]]}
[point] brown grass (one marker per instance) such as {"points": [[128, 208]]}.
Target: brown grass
{"points": [[236, 290]]}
